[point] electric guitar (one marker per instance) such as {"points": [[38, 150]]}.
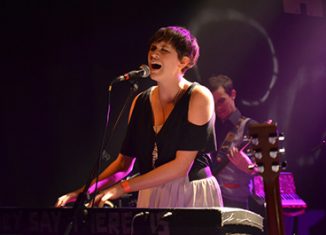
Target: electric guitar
{"points": [[220, 157], [264, 145]]}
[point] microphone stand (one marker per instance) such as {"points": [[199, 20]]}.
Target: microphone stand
{"points": [[105, 141], [79, 209]]}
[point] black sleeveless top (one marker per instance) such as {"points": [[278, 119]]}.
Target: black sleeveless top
{"points": [[177, 133]]}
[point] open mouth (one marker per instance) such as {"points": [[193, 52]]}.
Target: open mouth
{"points": [[156, 66]]}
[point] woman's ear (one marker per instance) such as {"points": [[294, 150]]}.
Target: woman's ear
{"points": [[185, 61]]}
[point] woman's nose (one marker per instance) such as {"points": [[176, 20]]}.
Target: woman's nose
{"points": [[154, 55]]}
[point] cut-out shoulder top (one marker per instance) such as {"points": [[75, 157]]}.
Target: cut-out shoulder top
{"points": [[177, 133]]}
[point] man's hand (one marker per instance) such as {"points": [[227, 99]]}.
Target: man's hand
{"points": [[240, 159]]}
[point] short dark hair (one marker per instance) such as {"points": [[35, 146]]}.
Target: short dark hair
{"points": [[220, 80], [182, 40]]}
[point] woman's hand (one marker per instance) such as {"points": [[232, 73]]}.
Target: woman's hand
{"points": [[69, 197], [111, 193]]}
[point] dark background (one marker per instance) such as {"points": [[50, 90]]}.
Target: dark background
{"points": [[57, 60]]}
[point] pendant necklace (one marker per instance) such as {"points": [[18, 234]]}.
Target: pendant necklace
{"points": [[157, 128]]}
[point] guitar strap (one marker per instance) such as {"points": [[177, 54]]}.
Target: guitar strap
{"points": [[229, 141]]}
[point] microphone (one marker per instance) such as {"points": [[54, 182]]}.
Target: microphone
{"points": [[143, 72]]}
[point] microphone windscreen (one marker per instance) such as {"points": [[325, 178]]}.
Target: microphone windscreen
{"points": [[146, 70]]}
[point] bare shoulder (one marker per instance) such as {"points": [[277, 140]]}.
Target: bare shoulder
{"points": [[201, 94], [201, 106]]}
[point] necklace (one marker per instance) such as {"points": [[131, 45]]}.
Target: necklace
{"points": [[158, 127], [173, 101]]}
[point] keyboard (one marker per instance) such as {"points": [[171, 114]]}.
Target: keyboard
{"points": [[126, 221], [289, 197], [292, 201], [287, 201]]}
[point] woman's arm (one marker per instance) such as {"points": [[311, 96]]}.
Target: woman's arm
{"points": [[116, 171], [113, 173]]}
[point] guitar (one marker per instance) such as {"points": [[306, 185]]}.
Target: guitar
{"points": [[264, 145], [221, 156], [232, 137]]}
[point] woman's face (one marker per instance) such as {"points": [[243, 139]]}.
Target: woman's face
{"points": [[163, 61]]}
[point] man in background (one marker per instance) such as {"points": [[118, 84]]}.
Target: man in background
{"points": [[230, 163]]}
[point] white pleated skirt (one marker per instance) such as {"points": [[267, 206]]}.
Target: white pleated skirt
{"points": [[182, 193]]}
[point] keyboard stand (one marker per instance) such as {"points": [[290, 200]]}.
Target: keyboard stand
{"points": [[295, 213]]}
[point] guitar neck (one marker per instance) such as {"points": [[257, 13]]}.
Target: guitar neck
{"points": [[274, 208], [265, 148]]}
